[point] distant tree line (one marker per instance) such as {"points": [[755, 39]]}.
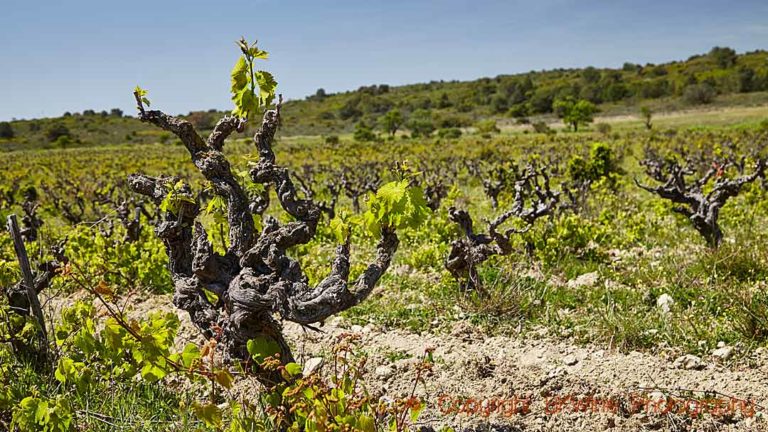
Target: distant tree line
{"points": [[697, 81], [114, 112]]}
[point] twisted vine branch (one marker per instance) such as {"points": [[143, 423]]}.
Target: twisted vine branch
{"points": [[470, 251], [255, 278], [700, 207]]}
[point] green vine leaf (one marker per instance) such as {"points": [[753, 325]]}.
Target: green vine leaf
{"points": [[142, 94], [260, 348], [267, 87], [294, 369], [209, 413], [396, 205], [252, 90], [340, 227]]}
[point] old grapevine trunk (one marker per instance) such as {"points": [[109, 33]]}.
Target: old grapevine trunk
{"points": [[255, 280], [692, 200], [23, 297], [534, 199]]}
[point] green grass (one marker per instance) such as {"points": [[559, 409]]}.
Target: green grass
{"points": [[639, 249], [134, 406], [714, 291]]}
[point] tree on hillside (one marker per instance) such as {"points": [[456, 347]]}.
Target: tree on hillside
{"points": [[590, 74], [516, 90], [6, 131], [612, 87], [541, 100], [421, 123], [391, 121], [350, 109], [444, 101], [363, 132], [748, 80], [499, 103], [57, 131], [630, 67], [723, 57], [575, 113], [697, 94], [647, 114]]}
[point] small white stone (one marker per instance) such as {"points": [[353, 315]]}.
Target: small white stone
{"points": [[584, 281], [665, 303], [723, 353], [312, 365], [553, 374], [383, 371], [356, 328], [688, 361], [407, 364], [570, 360]]}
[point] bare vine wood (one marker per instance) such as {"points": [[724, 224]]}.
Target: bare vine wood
{"points": [[255, 280], [23, 297], [700, 205], [534, 199]]}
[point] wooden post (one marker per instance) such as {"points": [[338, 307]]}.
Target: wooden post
{"points": [[28, 280]]}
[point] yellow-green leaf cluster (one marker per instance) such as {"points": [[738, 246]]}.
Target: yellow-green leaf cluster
{"points": [[396, 205], [252, 90]]}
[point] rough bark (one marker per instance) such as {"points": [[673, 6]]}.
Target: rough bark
{"points": [[700, 207], [435, 188], [534, 199], [496, 179], [130, 220], [256, 282], [360, 179], [72, 208], [308, 181], [30, 221], [8, 194], [23, 297]]}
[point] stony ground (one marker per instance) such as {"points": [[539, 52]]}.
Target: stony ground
{"points": [[538, 372]]}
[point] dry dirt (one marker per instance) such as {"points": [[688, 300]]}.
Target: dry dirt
{"points": [[541, 369]]}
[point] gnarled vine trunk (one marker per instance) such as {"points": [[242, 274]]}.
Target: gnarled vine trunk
{"points": [[255, 280], [701, 207], [534, 199], [23, 297]]}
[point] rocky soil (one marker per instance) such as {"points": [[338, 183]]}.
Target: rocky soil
{"points": [[543, 376]]}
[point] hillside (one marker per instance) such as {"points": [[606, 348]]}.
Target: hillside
{"points": [[700, 80]]}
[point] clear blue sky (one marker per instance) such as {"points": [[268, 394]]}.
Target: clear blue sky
{"points": [[73, 55]]}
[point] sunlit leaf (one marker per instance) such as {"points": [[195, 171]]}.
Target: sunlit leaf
{"points": [[209, 413], [224, 378]]}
